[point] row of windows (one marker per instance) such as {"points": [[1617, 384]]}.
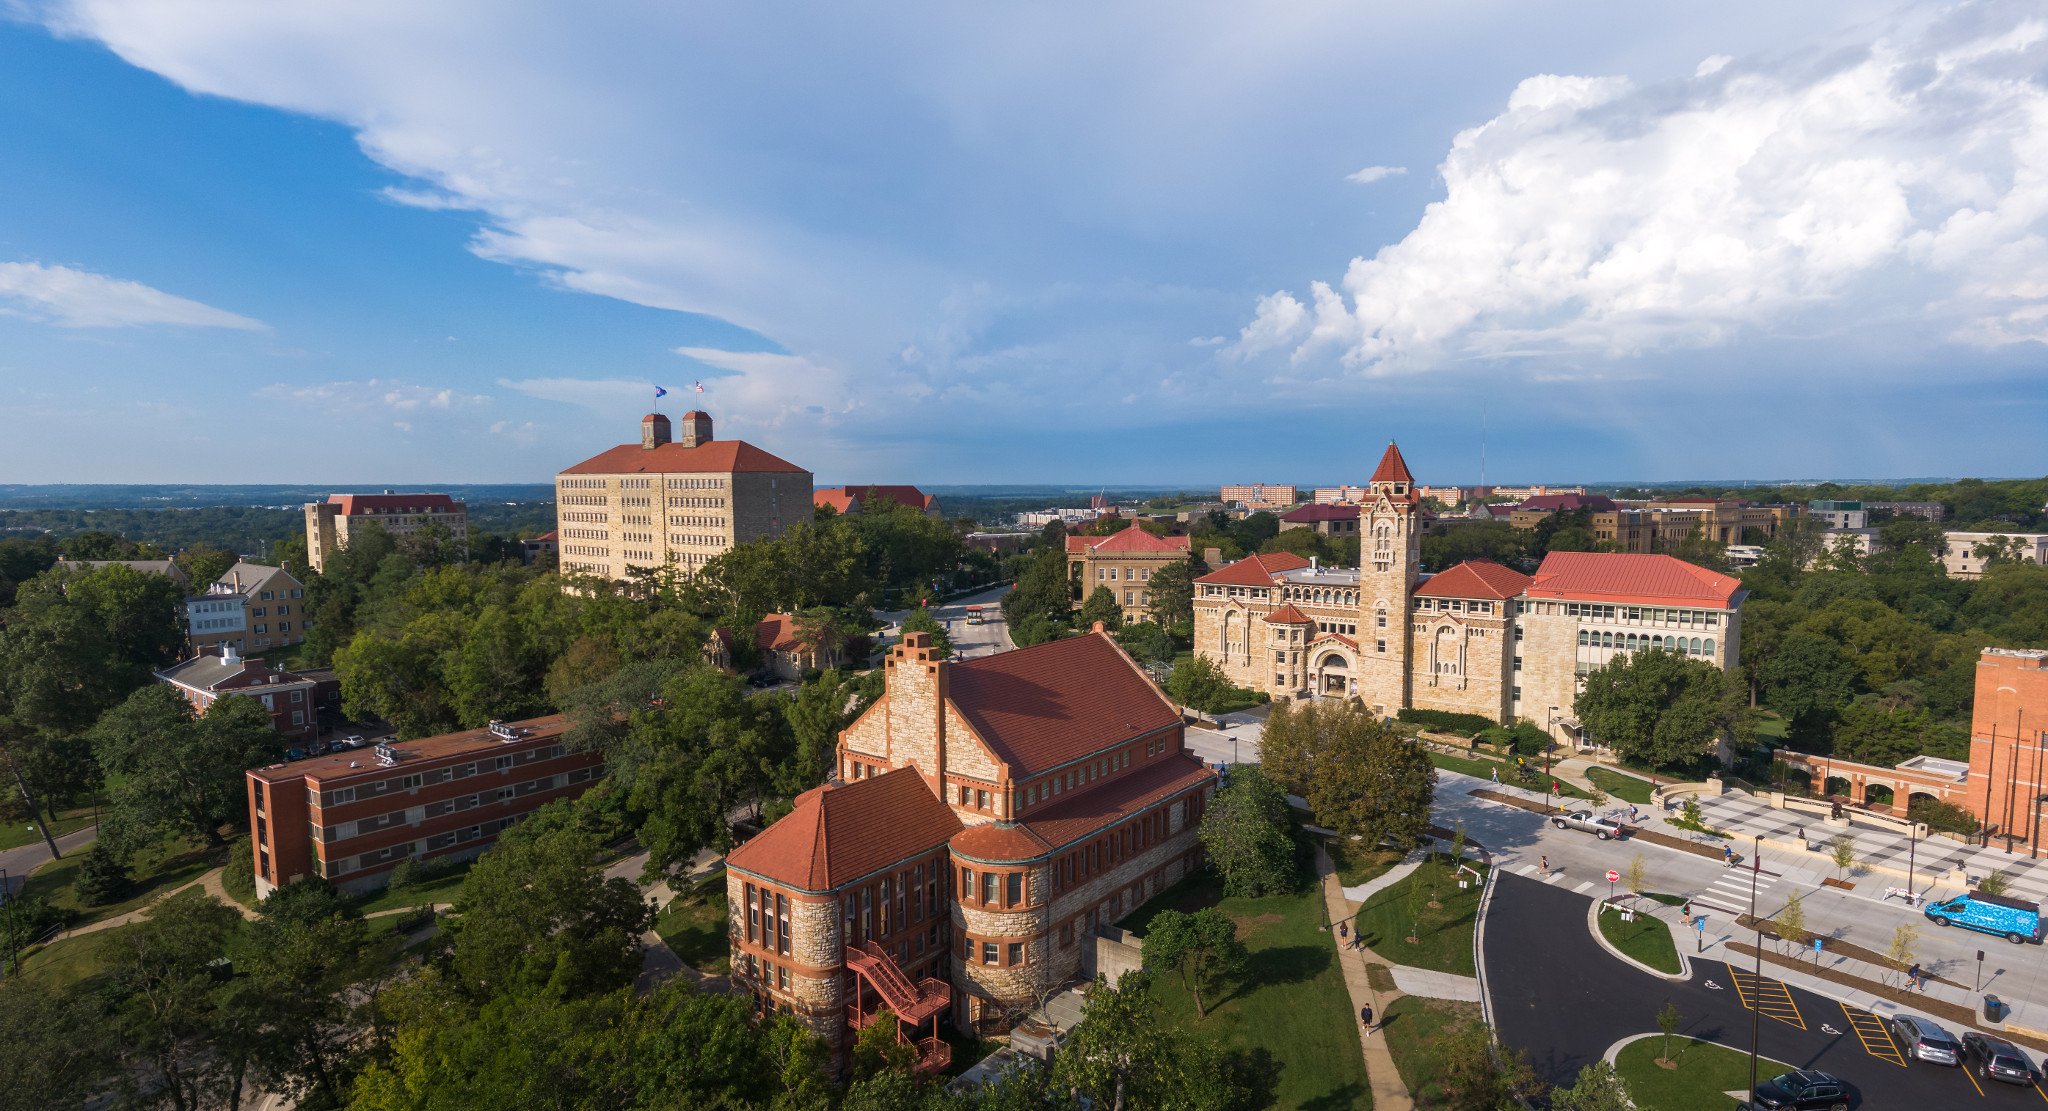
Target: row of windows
{"points": [[714, 483], [1320, 597], [1633, 642], [437, 775], [1455, 605], [1140, 574], [346, 864]]}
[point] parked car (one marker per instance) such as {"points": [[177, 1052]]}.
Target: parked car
{"points": [[1923, 1039], [1998, 1059], [1589, 822], [1800, 1089], [351, 741], [2017, 920]]}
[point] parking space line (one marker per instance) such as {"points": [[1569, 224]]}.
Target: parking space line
{"points": [[1766, 996], [2037, 1091], [1870, 1030], [1965, 1070]]}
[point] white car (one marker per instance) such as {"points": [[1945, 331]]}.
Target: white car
{"points": [[1603, 828]]}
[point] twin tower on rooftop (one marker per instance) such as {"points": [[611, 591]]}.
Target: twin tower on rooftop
{"points": [[654, 430]]}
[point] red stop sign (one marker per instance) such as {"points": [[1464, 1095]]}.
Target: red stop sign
{"points": [[1613, 876]]}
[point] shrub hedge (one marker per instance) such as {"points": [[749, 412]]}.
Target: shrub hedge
{"points": [[1464, 725]]}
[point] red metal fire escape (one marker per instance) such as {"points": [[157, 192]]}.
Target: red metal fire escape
{"points": [[912, 1003]]}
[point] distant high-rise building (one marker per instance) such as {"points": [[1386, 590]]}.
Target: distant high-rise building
{"points": [[686, 498], [1260, 495], [329, 523]]}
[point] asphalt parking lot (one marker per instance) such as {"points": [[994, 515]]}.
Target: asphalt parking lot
{"points": [[1560, 997]]}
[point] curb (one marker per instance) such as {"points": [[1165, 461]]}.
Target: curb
{"points": [[1479, 948], [1593, 924]]}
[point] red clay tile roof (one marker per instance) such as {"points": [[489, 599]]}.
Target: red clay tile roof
{"points": [[999, 842], [1288, 615], [1338, 637], [1475, 578], [839, 500], [353, 505], [551, 534], [1632, 579], [1132, 539], [1080, 815], [842, 496], [777, 633], [1599, 503], [1392, 467], [719, 456], [1255, 570], [1058, 701], [843, 831], [1309, 514]]}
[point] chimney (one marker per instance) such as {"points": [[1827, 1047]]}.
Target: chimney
{"points": [[1213, 557], [916, 678], [228, 653], [696, 430], [653, 431]]}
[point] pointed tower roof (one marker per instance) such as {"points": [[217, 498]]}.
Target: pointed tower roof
{"points": [[1392, 467]]}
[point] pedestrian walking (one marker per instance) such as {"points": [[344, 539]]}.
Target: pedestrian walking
{"points": [[1544, 863], [1727, 856], [1686, 912], [1495, 773], [1913, 978], [1365, 1020], [1631, 812], [1343, 929]]}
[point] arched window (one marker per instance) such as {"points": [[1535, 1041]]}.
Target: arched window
{"points": [[1582, 638], [1710, 646], [1380, 619], [1607, 640], [1695, 646]]}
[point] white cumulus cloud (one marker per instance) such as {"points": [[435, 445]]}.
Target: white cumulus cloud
{"points": [[1905, 180], [83, 299], [1374, 173]]}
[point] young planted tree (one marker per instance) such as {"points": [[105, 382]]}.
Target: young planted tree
{"points": [[1418, 897], [1667, 1021], [1791, 923], [1843, 854], [1904, 949], [1198, 945], [1636, 877], [1997, 883], [1598, 1088]]}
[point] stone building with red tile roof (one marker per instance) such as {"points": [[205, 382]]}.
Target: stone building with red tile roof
{"points": [[328, 523], [986, 816], [1478, 638], [682, 498], [1123, 563], [848, 499]]}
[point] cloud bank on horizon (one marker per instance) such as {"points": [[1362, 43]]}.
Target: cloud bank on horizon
{"points": [[928, 236], [1909, 178]]}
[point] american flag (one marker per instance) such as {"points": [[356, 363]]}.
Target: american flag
{"points": [[700, 387]]}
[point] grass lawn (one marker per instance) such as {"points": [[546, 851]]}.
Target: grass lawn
{"points": [[446, 889], [1446, 936], [1771, 726], [151, 872], [63, 963], [1356, 863], [1704, 1071], [1627, 788], [1292, 1001], [1483, 768], [1414, 1027], [1647, 939], [14, 834], [694, 926]]}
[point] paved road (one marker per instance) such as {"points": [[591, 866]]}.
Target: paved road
{"points": [[1560, 997], [18, 863], [969, 641]]}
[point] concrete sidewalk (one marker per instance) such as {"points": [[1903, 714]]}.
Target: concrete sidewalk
{"points": [[1389, 1093]]}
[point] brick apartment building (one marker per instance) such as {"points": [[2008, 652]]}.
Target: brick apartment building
{"points": [[1330, 520], [987, 816], [1478, 638], [328, 523], [250, 608], [1124, 561], [292, 699], [1261, 495], [688, 498], [352, 816]]}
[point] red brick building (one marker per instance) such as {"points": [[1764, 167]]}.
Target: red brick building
{"points": [[352, 816], [292, 699], [2008, 765], [987, 817]]}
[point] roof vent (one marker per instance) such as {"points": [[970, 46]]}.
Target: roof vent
{"points": [[506, 732], [386, 755]]}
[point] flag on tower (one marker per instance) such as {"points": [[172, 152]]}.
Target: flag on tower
{"points": [[659, 392], [700, 387]]}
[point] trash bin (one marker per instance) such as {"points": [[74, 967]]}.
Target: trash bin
{"points": [[1994, 1009]]}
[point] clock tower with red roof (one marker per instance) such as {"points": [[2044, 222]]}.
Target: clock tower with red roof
{"points": [[1389, 562]]}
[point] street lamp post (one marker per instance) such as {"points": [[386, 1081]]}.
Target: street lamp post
{"points": [[1755, 869]]}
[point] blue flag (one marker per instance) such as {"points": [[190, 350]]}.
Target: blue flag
{"points": [[659, 392]]}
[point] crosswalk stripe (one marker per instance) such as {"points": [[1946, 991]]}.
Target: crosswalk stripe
{"points": [[1525, 869], [1553, 877], [1584, 887]]}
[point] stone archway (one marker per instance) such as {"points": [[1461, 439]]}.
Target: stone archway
{"points": [[1877, 794], [1836, 785], [1333, 674]]}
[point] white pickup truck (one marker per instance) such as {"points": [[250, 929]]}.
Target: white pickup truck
{"points": [[1603, 828]]}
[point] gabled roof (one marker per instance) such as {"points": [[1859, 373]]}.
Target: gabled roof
{"points": [[1476, 578], [1079, 815], [355, 505], [777, 633], [1132, 539], [215, 673], [995, 842], [1309, 514], [1392, 467], [1257, 570], [840, 500], [1288, 615], [843, 831], [842, 497], [1632, 579], [718, 456], [1338, 637], [1045, 705]]}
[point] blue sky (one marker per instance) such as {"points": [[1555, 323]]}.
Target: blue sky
{"points": [[1084, 243]]}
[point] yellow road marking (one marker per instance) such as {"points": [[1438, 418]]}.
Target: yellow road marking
{"points": [[1871, 1032], [1973, 1080], [2039, 1092], [1766, 996]]}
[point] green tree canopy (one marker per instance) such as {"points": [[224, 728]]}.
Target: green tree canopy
{"points": [[1101, 605], [1199, 946], [172, 771], [1656, 706], [1368, 781], [1245, 832]]}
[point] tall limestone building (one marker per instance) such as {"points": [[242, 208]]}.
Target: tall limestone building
{"points": [[1478, 638], [687, 498]]}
